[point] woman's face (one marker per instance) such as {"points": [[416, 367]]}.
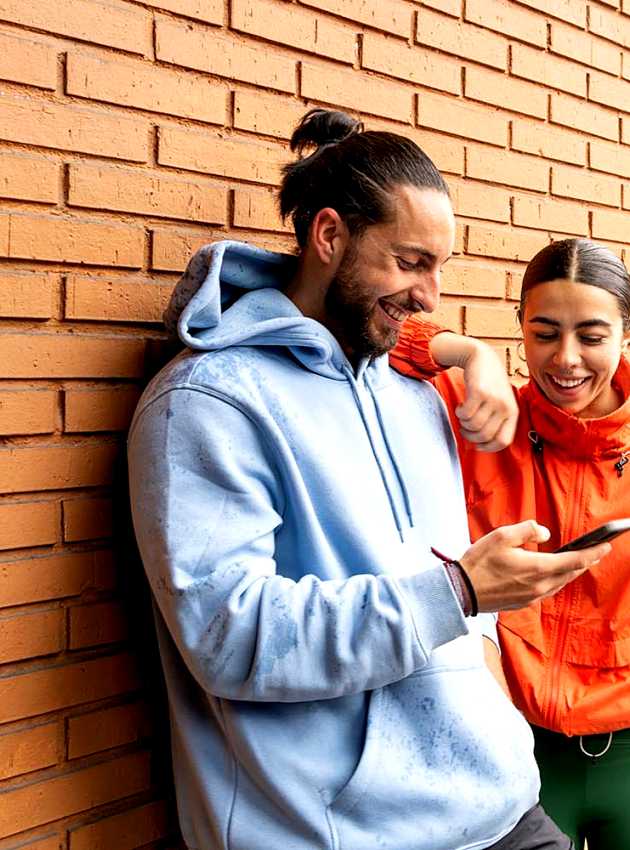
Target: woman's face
{"points": [[573, 336]]}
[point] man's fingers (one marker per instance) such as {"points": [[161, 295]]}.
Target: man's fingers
{"points": [[527, 531], [575, 562]]}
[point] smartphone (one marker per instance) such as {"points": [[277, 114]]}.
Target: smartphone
{"points": [[598, 535]]}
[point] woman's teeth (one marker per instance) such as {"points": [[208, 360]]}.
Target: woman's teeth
{"points": [[568, 383]]}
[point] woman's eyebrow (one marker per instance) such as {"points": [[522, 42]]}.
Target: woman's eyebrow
{"points": [[587, 323]]}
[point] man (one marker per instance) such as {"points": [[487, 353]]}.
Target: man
{"points": [[327, 689]]}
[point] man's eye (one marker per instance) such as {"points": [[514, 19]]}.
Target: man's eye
{"points": [[405, 264]]}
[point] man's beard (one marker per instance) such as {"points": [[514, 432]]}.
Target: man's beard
{"points": [[349, 310]]}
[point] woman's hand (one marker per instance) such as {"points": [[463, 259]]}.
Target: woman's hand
{"points": [[489, 413]]}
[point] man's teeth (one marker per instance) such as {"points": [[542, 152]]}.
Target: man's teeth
{"points": [[394, 312], [567, 383]]}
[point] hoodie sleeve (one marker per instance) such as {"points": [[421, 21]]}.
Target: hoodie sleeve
{"points": [[206, 507]]}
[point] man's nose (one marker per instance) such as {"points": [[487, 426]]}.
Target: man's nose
{"points": [[428, 291]]}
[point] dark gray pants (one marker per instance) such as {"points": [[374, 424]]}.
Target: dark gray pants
{"points": [[535, 831]]}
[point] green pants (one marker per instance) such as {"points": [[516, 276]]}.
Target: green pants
{"points": [[589, 798]]}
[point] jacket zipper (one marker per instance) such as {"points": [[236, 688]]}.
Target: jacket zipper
{"points": [[552, 707]]}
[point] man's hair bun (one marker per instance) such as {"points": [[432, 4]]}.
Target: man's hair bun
{"points": [[323, 127]]}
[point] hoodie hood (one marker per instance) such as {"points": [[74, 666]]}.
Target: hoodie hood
{"points": [[231, 295]]}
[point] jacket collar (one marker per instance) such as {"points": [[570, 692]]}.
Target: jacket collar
{"points": [[594, 438]]}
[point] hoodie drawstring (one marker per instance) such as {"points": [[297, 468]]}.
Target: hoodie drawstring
{"points": [[353, 383]]}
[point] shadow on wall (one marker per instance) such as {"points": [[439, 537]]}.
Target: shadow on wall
{"points": [[136, 599]]}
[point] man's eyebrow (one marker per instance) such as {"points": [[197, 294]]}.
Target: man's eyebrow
{"points": [[416, 249], [587, 323]]}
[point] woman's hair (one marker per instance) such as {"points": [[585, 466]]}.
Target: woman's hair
{"points": [[351, 170], [579, 261]]}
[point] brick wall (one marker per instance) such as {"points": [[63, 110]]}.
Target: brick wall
{"points": [[132, 132]]}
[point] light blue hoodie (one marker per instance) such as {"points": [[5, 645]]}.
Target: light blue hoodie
{"points": [[325, 689]]}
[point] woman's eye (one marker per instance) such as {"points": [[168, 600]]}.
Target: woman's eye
{"points": [[545, 337], [593, 340]]}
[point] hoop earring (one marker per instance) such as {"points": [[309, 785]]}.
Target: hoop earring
{"points": [[520, 353]]}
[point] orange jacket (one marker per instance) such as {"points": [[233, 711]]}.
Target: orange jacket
{"points": [[566, 658]]}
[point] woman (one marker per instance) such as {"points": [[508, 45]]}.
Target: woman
{"points": [[566, 658]]}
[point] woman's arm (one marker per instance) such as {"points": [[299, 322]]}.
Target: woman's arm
{"points": [[486, 411]]}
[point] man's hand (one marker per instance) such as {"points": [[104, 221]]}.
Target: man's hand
{"points": [[505, 576], [489, 413]]}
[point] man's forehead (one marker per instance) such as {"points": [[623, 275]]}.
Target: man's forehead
{"points": [[422, 221]]}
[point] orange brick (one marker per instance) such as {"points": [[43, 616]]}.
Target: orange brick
{"points": [[512, 169], [396, 59], [609, 91], [66, 355], [583, 185], [259, 162], [270, 114], [100, 410], [501, 90], [208, 11], [257, 210], [615, 159], [357, 91], [28, 524], [172, 249], [146, 192], [71, 128], [550, 142], [28, 749], [38, 579], [449, 315], [584, 116], [125, 831], [504, 243], [475, 200], [504, 17], [393, 16], [51, 842], [96, 625], [585, 48], [572, 11], [447, 154], [609, 25], [28, 178], [113, 300], [56, 467], [133, 83], [32, 805], [28, 694], [544, 214], [86, 519], [515, 280], [103, 730], [448, 7], [460, 118], [612, 225], [29, 62], [72, 240], [493, 322], [465, 278], [461, 39], [205, 50], [27, 411], [297, 27], [122, 26], [545, 68], [25, 295], [31, 634]]}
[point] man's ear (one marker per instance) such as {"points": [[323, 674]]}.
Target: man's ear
{"points": [[329, 236]]}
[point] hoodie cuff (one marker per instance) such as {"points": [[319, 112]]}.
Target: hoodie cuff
{"points": [[437, 614]]}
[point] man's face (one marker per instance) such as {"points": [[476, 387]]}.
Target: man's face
{"points": [[391, 271]]}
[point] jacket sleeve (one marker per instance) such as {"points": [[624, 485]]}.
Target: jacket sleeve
{"points": [[207, 505], [411, 355]]}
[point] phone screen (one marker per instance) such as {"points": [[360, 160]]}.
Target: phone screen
{"points": [[605, 532]]}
